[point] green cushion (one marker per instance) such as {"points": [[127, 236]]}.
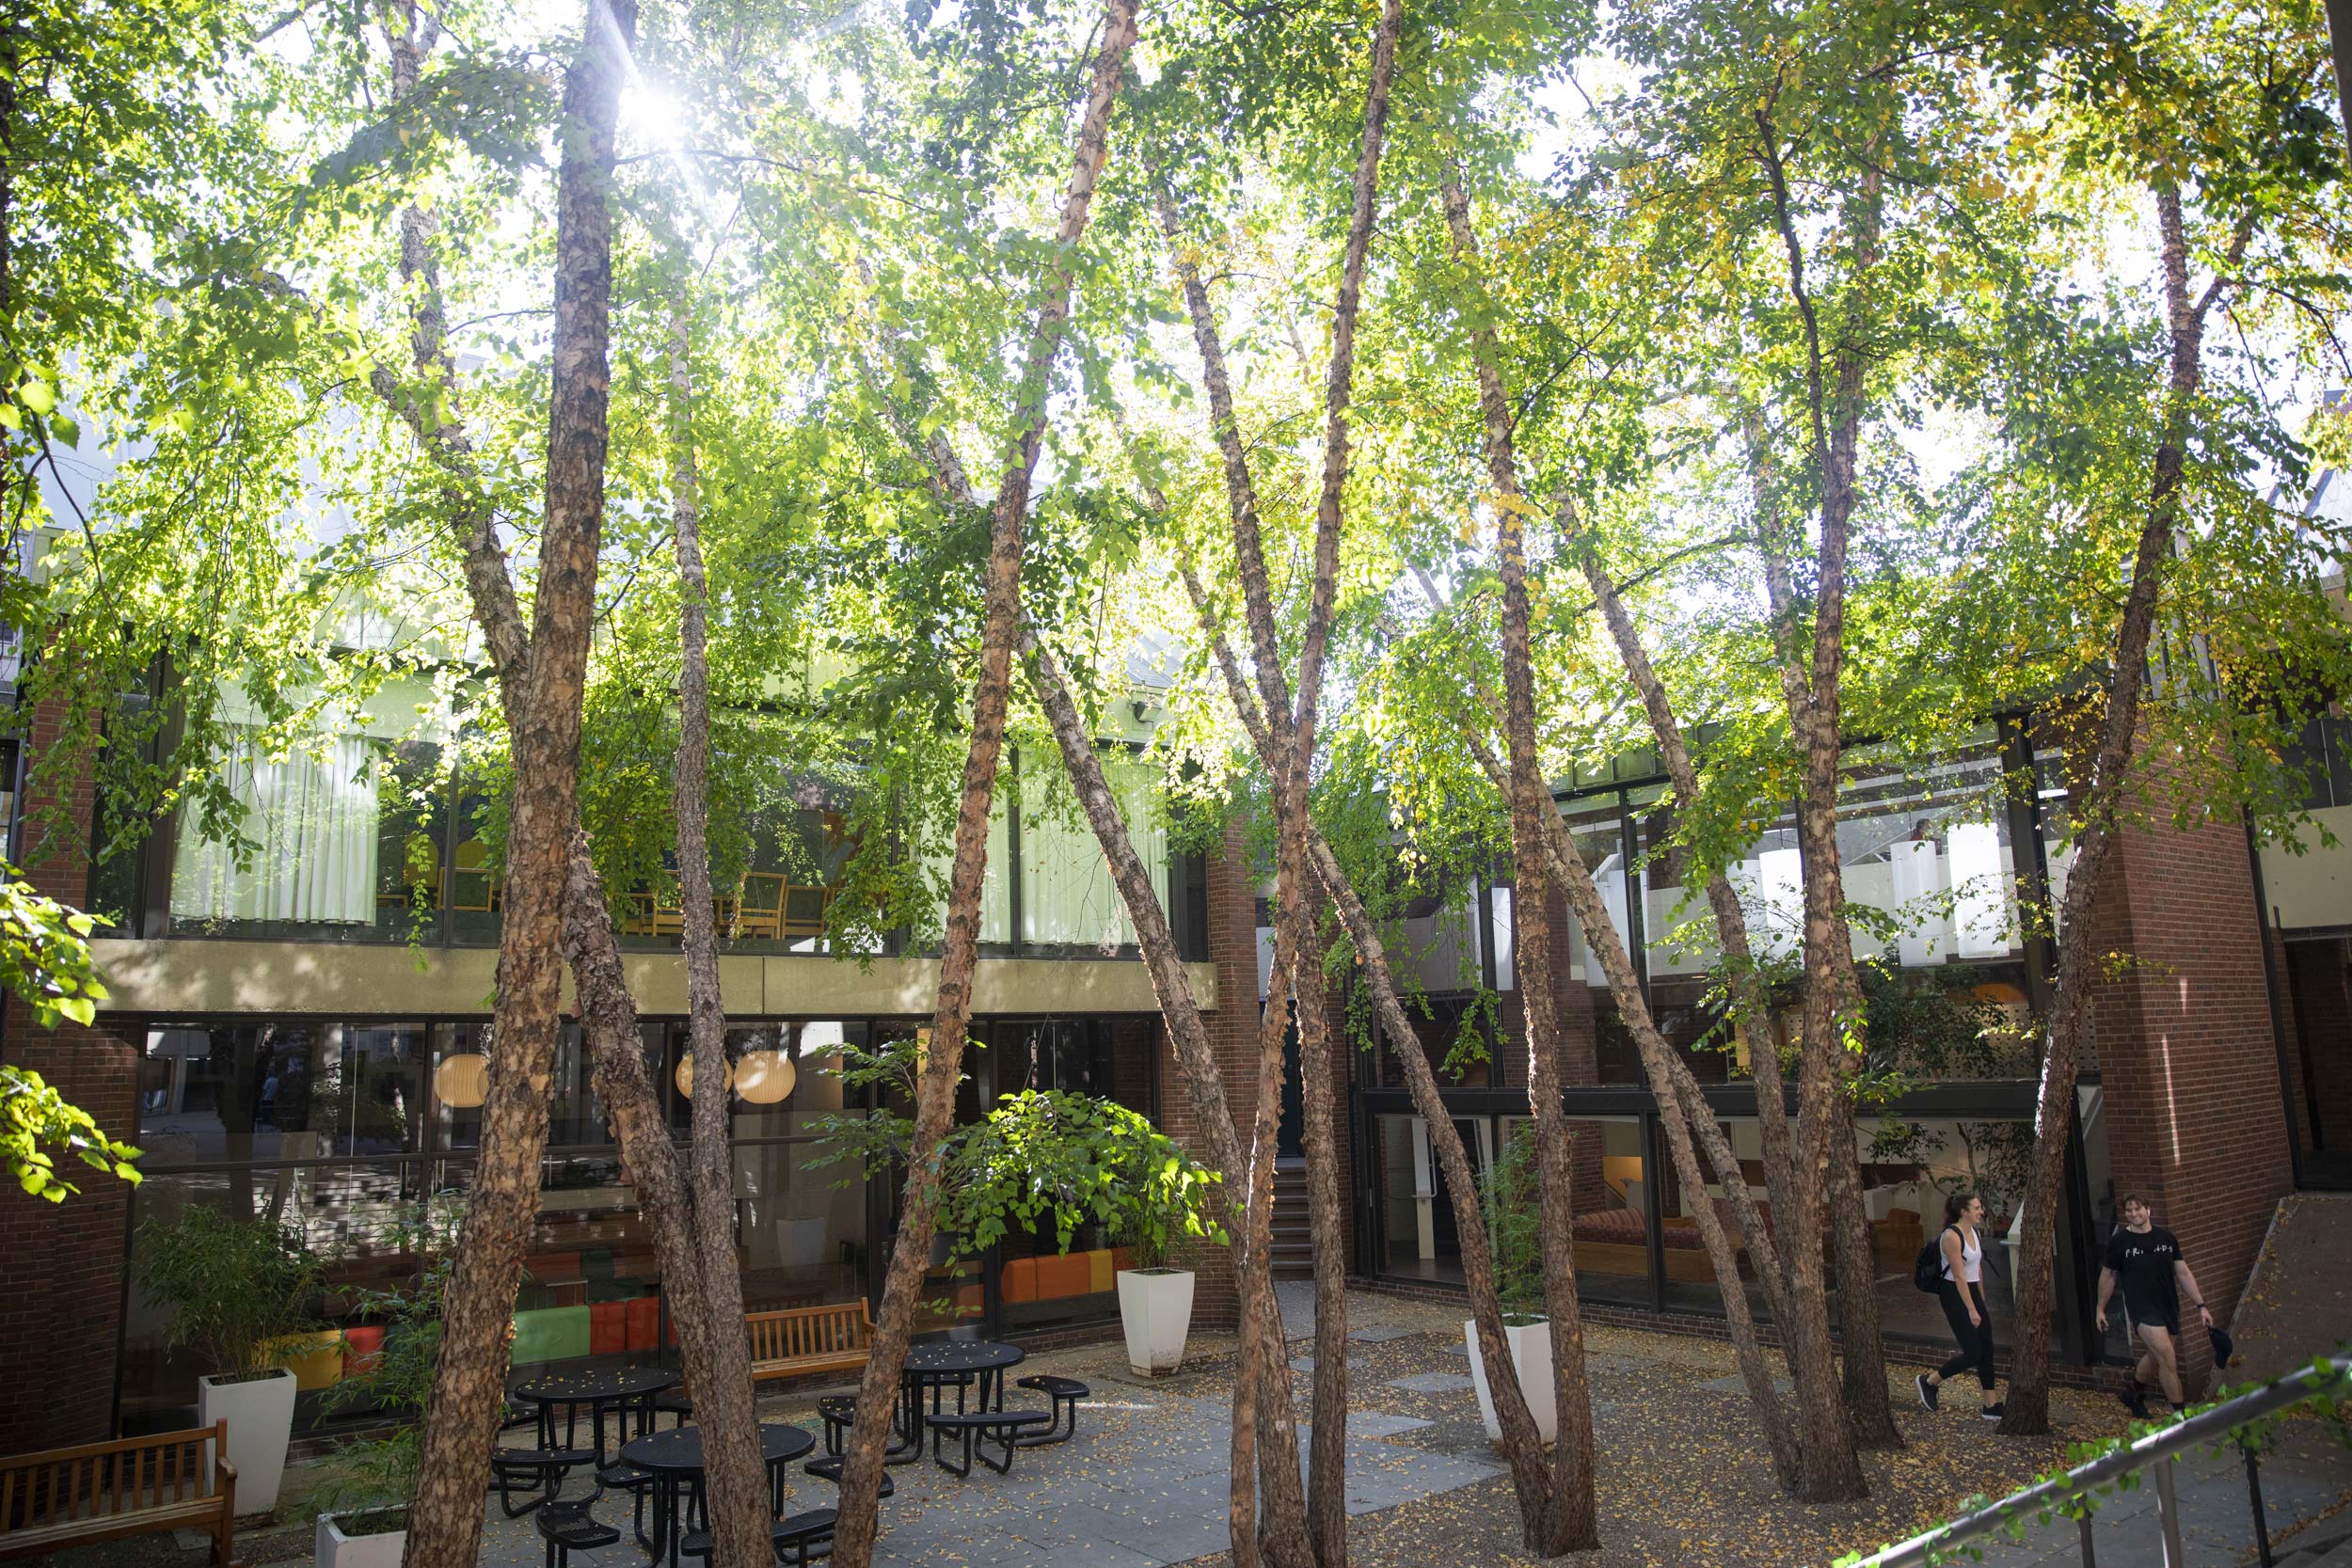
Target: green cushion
{"points": [[550, 1333]]}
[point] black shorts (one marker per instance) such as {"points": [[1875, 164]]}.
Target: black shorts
{"points": [[2153, 1315]]}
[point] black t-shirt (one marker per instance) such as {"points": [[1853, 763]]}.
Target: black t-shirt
{"points": [[2142, 1261]]}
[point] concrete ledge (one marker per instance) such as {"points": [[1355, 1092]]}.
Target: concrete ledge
{"points": [[195, 976]]}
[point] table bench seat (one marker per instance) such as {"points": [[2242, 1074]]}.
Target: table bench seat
{"points": [[979, 1428]]}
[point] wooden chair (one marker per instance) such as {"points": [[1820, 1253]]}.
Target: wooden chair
{"points": [[759, 910], [804, 910], [100, 1492], [472, 885]]}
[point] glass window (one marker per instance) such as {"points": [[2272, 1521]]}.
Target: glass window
{"points": [[461, 1067], [1067, 895], [996, 883], [310, 844]]}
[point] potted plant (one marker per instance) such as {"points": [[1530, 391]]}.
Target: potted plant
{"points": [[363, 1518], [1048, 1155], [1051, 1155], [1515, 1231], [239, 1290]]}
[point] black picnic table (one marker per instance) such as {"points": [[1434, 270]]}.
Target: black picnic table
{"points": [[934, 1365], [618, 1390], [675, 1459]]}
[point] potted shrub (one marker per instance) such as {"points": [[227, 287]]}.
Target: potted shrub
{"points": [[363, 1519], [1051, 1155], [239, 1290], [1515, 1231], [1048, 1155]]}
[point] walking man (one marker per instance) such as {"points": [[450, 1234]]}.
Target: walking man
{"points": [[2146, 1258]]}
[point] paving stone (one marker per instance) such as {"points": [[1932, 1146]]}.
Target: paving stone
{"points": [[1307, 1363], [1381, 1333], [1735, 1384], [1611, 1361], [1435, 1383]]}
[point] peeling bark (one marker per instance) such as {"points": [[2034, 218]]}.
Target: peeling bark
{"points": [[468, 1383], [1684, 1115], [2029, 1401], [934, 1106], [1522, 1445], [1571, 1524], [723, 1406]]}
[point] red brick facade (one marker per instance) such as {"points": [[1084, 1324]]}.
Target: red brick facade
{"points": [[61, 1305], [1234, 1037], [2187, 1054]]}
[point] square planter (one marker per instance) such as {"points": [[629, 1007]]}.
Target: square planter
{"points": [[1531, 1356], [260, 1413], [1155, 1308], [373, 1549]]}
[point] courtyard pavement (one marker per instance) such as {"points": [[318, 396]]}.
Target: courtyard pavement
{"points": [[1680, 1479]]}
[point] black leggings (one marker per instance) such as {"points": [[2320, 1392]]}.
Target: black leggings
{"points": [[1975, 1340]]}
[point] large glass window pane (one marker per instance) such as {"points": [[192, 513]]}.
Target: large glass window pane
{"points": [[309, 827], [1421, 1231], [996, 883], [1910, 1168], [803, 1227], [1067, 895]]}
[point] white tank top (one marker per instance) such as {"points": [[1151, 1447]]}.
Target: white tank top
{"points": [[1971, 1254]]}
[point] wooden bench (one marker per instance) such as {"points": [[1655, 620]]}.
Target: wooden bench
{"points": [[133, 1486], [804, 1340]]}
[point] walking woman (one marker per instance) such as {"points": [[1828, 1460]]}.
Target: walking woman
{"points": [[1962, 1292]]}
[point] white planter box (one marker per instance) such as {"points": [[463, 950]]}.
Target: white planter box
{"points": [[336, 1550], [1155, 1308], [1531, 1354], [260, 1413]]}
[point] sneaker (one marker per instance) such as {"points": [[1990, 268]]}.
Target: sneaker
{"points": [[1927, 1390], [2136, 1401], [1992, 1411]]}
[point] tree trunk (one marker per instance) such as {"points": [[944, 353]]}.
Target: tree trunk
{"points": [[1262, 1382], [469, 1381], [1572, 1524], [1522, 1445], [736, 1473], [1282, 1530], [2028, 1402], [607, 1011], [934, 1107]]}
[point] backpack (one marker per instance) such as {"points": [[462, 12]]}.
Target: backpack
{"points": [[1926, 1273]]}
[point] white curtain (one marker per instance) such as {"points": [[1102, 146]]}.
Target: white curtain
{"points": [[1067, 895], [315, 818]]}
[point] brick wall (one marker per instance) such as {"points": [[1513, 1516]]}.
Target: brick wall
{"points": [[2187, 1054], [1234, 1039], [61, 1293]]}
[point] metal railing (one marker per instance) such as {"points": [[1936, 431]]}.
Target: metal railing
{"points": [[2073, 1494]]}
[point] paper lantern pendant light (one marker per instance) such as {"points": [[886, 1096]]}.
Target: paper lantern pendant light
{"points": [[685, 1075], [462, 1081], [765, 1077]]}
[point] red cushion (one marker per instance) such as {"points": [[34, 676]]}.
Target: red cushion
{"points": [[1069, 1275], [642, 1317], [608, 1328], [362, 1346], [1019, 1281]]}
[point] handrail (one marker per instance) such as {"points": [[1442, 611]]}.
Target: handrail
{"points": [[2325, 1375]]}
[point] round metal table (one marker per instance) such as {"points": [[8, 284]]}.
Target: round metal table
{"points": [[934, 1365], [601, 1389], [675, 1459]]}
